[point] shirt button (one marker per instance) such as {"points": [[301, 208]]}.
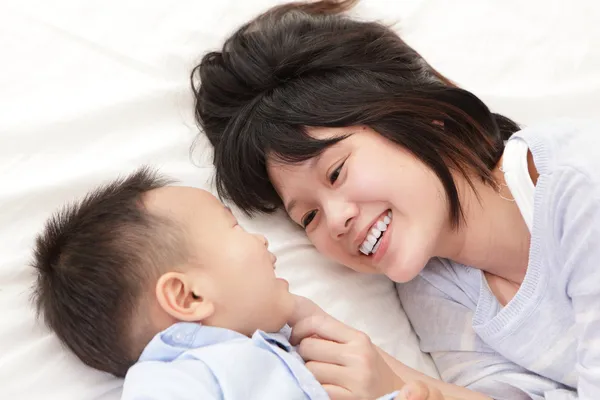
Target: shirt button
{"points": [[178, 337]]}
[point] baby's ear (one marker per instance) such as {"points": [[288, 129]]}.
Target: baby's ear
{"points": [[179, 298]]}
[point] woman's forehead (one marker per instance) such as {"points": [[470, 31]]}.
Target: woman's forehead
{"points": [[281, 171], [292, 182], [296, 179]]}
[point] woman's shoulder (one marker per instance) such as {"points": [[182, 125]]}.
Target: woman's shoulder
{"points": [[566, 155], [563, 143]]}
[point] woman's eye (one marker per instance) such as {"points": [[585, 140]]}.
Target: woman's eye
{"points": [[335, 174], [308, 218]]}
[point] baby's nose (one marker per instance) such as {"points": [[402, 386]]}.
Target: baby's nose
{"points": [[263, 239]]}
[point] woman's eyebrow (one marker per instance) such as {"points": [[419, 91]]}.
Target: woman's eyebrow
{"points": [[311, 164]]}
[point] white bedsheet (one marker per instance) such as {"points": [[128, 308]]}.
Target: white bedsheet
{"points": [[92, 89]]}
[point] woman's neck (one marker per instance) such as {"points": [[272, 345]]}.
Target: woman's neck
{"points": [[494, 236]]}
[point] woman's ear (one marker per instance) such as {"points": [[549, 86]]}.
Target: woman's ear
{"points": [[181, 299]]}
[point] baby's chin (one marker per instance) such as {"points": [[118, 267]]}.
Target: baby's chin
{"points": [[271, 318], [284, 312], [274, 325]]}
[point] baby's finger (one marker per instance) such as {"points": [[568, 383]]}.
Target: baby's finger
{"points": [[303, 308], [419, 391], [338, 393]]}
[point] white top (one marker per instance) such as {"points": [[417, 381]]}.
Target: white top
{"points": [[516, 175]]}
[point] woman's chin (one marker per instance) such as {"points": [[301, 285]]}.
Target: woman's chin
{"points": [[402, 271], [400, 275]]}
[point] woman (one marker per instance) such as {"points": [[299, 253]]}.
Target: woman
{"points": [[393, 169]]}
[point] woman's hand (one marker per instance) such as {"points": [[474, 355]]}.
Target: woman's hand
{"points": [[342, 359], [351, 367]]}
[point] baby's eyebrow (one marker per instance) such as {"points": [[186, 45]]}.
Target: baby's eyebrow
{"points": [[290, 206], [230, 213]]}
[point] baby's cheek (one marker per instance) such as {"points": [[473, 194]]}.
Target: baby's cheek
{"points": [[240, 257]]}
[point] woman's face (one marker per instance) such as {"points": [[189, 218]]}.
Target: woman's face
{"points": [[366, 202]]}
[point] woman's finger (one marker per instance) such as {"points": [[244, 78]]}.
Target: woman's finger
{"points": [[338, 393], [329, 374], [323, 326], [316, 349]]}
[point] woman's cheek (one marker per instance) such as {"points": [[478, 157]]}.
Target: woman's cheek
{"points": [[367, 182], [316, 238], [323, 245]]}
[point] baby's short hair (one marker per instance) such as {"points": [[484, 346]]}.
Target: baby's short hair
{"points": [[95, 260]]}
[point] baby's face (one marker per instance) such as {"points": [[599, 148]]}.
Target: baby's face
{"points": [[236, 269]]}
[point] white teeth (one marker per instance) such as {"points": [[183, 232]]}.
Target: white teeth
{"points": [[364, 251], [372, 242], [376, 247], [372, 239]]}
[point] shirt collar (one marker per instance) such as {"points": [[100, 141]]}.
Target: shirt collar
{"points": [[280, 339], [183, 336]]}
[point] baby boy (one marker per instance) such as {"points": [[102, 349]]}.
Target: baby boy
{"points": [[160, 285]]}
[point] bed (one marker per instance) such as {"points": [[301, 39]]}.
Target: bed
{"points": [[90, 90]]}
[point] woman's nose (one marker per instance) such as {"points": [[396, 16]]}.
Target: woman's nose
{"points": [[340, 218]]}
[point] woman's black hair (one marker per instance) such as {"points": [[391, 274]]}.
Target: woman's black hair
{"points": [[307, 65]]}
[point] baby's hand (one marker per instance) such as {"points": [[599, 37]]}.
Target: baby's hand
{"points": [[304, 308], [420, 391]]}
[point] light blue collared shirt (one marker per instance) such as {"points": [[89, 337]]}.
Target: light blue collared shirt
{"points": [[193, 361]]}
